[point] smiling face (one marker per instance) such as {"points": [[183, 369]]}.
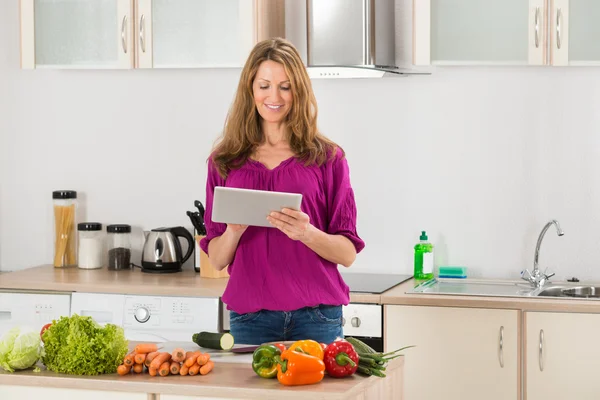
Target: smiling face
{"points": [[272, 92]]}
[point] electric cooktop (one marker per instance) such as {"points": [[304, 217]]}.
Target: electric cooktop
{"points": [[373, 283]]}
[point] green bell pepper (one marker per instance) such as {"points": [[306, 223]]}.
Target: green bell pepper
{"points": [[264, 361]]}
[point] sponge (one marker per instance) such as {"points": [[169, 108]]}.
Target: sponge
{"points": [[452, 272]]}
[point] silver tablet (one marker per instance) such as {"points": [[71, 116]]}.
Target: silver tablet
{"points": [[250, 207]]}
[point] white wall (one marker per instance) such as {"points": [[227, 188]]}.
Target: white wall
{"points": [[479, 157]]}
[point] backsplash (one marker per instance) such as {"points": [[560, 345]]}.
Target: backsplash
{"points": [[481, 158]]}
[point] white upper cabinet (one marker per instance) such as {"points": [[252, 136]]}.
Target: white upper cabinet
{"points": [[575, 32], [76, 34], [468, 32], [506, 32], [144, 33], [194, 33]]}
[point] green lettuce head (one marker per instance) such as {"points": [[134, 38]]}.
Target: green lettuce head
{"points": [[19, 349]]}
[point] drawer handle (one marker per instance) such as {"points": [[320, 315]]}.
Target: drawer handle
{"points": [[537, 27], [559, 28], [501, 347], [541, 353]]}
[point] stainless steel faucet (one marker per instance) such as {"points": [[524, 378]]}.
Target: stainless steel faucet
{"points": [[536, 278]]}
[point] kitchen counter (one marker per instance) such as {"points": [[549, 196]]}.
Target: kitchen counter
{"points": [[398, 295], [134, 282], [227, 380]]}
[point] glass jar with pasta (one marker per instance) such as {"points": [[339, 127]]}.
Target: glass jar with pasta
{"points": [[65, 233]]}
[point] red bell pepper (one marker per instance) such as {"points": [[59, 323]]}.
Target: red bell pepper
{"points": [[340, 359]]}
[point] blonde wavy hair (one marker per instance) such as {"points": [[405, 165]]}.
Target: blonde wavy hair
{"points": [[242, 132]]}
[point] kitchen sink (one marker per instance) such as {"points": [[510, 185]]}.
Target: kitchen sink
{"points": [[585, 292], [498, 288]]}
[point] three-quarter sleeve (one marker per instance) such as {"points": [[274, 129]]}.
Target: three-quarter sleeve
{"points": [[213, 229], [340, 201]]}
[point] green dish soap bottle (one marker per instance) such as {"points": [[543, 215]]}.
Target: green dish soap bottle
{"points": [[423, 258]]}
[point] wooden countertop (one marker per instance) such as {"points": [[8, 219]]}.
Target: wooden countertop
{"points": [[133, 282], [398, 295], [227, 380], [46, 278]]}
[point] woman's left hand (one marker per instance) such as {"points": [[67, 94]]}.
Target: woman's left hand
{"points": [[295, 224]]}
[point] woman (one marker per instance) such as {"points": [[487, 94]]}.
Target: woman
{"points": [[284, 283]]}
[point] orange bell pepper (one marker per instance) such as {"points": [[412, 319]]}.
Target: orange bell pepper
{"points": [[297, 368], [309, 347]]}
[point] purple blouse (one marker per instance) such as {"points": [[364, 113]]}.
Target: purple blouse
{"points": [[271, 271]]}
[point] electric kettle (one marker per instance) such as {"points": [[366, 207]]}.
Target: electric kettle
{"points": [[162, 251]]}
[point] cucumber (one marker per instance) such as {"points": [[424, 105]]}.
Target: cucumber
{"points": [[211, 340]]}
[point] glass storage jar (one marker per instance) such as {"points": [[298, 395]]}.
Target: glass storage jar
{"points": [[92, 252], [119, 246], [65, 235]]}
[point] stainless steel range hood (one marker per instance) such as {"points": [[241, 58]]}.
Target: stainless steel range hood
{"points": [[351, 38]]}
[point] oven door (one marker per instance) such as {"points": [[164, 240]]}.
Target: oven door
{"points": [[364, 322]]}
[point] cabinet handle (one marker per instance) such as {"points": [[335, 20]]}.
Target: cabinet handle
{"points": [[558, 28], [143, 33], [537, 27], [124, 34], [501, 347], [541, 354]]}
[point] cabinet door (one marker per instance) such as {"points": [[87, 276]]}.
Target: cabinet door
{"points": [[485, 32], [562, 356], [194, 33], [76, 34], [460, 353], [32, 392], [575, 32]]}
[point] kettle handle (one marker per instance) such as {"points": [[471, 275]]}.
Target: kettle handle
{"points": [[180, 231]]}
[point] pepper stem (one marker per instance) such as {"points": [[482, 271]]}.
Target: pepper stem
{"points": [[281, 362], [343, 359], [300, 350], [264, 362]]}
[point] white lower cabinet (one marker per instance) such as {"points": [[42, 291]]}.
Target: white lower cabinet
{"points": [[32, 392], [174, 397], [460, 353], [562, 356]]}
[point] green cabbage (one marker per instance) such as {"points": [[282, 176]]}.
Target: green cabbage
{"points": [[19, 349], [79, 346]]}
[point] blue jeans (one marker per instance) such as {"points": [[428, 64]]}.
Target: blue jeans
{"points": [[322, 323]]}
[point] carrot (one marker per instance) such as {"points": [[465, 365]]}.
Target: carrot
{"points": [[192, 359], [178, 355], [145, 348], [123, 369], [160, 359], [138, 368], [129, 359], [194, 370], [203, 359], [175, 367], [140, 358], [164, 368], [150, 357], [207, 367], [188, 354], [184, 370], [152, 371]]}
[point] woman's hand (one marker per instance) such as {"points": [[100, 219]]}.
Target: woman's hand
{"points": [[295, 224]]}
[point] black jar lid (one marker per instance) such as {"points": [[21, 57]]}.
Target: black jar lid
{"points": [[89, 226], [64, 194], [118, 228]]}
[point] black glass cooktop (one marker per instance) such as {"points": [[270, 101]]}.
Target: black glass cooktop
{"points": [[373, 283]]}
